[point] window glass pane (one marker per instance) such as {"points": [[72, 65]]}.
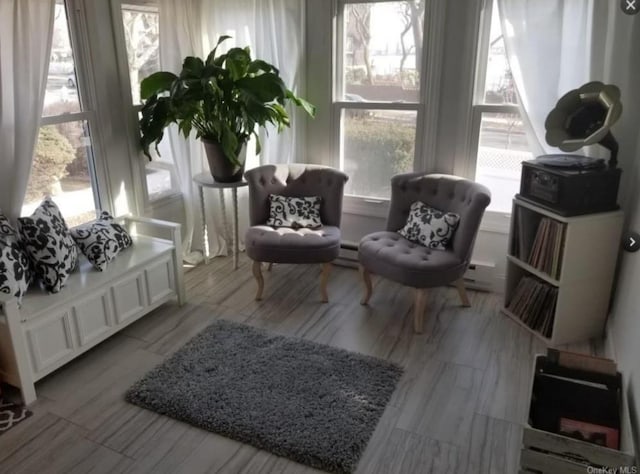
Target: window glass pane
{"points": [[141, 37], [159, 181], [60, 169], [502, 147], [62, 93], [160, 171], [376, 144], [498, 87], [382, 51]]}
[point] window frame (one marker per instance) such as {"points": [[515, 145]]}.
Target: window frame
{"points": [[429, 90], [78, 38], [133, 110]]}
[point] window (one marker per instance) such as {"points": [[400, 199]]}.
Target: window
{"points": [[499, 130], [377, 96], [140, 22], [63, 162]]}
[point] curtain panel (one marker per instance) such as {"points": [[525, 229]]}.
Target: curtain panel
{"points": [[555, 46], [26, 31], [273, 31]]}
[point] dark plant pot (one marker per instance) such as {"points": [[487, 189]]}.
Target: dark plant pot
{"points": [[221, 168]]}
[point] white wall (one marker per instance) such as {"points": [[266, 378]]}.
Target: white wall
{"points": [[623, 327], [624, 321]]}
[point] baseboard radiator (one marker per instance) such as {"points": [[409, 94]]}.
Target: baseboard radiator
{"points": [[479, 275]]}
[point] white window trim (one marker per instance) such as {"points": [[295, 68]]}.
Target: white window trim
{"points": [[85, 85], [427, 108], [78, 36]]}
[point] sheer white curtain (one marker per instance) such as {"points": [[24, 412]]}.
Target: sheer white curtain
{"points": [[557, 45], [25, 45], [273, 31], [181, 35]]}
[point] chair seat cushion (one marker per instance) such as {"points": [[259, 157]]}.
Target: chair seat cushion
{"points": [[287, 245], [390, 255]]}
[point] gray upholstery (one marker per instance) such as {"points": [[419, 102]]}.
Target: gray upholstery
{"points": [[296, 180], [285, 245], [390, 255]]}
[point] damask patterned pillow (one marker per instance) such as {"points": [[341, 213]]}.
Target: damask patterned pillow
{"points": [[294, 212], [101, 240], [15, 271], [429, 227], [52, 250]]}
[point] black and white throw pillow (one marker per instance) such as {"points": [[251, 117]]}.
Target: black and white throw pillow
{"points": [[429, 227], [15, 271], [52, 250], [295, 212], [101, 240]]}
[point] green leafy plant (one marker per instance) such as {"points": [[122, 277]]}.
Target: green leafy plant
{"points": [[52, 154], [224, 98], [387, 146]]}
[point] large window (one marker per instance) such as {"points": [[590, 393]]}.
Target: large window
{"points": [[140, 20], [64, 157], [377, 96], [500, 133]]}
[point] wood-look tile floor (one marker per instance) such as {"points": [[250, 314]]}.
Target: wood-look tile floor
{"points": [[458, 408]]}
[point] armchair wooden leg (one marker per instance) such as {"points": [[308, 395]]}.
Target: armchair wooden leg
{"points": [[366, 279], [269, 267], [257, 273], [419, 305], [462, 292], [324, 280]]}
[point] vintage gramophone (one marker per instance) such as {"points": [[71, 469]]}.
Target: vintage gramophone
{"points": [[571, 185]]}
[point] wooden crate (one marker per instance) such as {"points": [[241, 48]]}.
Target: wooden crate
{"points": [[550, 453], [546, 452]]}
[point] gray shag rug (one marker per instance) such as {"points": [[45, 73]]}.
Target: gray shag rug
{"points": [[311, 403]]}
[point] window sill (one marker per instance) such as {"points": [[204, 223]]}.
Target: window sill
{"points": [[369, 207], [496, 222]]}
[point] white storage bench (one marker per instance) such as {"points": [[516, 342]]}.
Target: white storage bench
{"points": [[49, 330]]}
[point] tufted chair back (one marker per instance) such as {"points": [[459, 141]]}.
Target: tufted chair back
{"points": [[445, 193], [296, 180]]}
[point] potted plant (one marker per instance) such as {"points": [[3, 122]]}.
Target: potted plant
{"points": [[224, 98]]}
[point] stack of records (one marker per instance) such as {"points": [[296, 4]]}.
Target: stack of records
{"points": [[546, 251], [534, 302]]}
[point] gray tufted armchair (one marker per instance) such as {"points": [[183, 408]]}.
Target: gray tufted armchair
{"points": [[390, 255], [286, 245]]}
